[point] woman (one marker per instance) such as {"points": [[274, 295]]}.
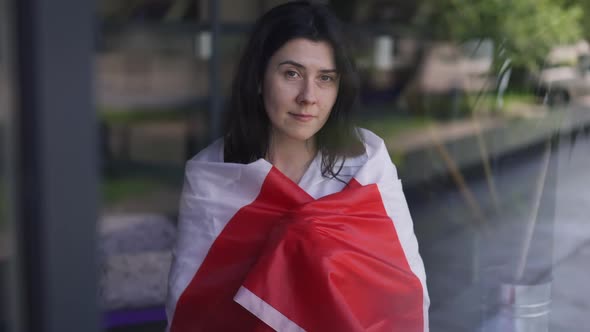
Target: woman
{"points": [[295, 220]]}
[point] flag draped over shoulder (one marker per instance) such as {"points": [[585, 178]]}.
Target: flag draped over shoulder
{"points": [[258, 252]]}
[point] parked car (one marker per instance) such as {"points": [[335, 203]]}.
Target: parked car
{"points": [[560, 84]]}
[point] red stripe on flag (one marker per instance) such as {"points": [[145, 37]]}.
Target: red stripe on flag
{"points": [[337, 265]]}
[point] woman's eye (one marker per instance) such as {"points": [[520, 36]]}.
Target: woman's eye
{"points": [[326, 78], [291, 74]]}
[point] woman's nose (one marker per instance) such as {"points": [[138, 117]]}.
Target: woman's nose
{"points": [[307, 94]]}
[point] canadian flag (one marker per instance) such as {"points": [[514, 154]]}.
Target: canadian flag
{"points": [[258, 252]]}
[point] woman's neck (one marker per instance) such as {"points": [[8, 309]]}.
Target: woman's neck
{"points": [[291, 157]]}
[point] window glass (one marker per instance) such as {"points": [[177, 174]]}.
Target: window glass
{"points": [[485, 113], [484, 108]]}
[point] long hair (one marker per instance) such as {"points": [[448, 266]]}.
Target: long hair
{"points": [[247, 130]]}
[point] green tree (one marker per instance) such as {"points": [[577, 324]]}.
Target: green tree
{"points": [[525, 29], [585, 6]]}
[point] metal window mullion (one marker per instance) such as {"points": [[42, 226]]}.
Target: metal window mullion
{"points": [[12, 289], [58, 186]]}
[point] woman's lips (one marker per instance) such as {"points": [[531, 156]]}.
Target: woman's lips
{"points": [[302, 117]]}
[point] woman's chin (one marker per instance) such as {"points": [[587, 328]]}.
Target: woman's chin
{"points": [[297, 135]]}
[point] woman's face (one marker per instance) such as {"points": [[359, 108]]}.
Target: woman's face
{"points": [[299, 89]]}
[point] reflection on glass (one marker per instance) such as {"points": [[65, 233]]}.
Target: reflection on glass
{"points": [[485, 109], [151, 73]]}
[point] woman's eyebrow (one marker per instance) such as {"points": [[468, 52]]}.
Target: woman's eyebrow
{"points": [[298, 65], [291, 62], [327, 71]]}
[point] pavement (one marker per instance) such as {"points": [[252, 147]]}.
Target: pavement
{"points": [[469, 263], [571, 296]]}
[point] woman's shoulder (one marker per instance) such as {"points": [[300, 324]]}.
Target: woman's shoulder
{"points": [[372, 142], [212, 153], [377, 154], [373, 146]]}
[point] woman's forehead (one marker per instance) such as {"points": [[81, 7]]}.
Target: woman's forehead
{"points": [[307, 53]]}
